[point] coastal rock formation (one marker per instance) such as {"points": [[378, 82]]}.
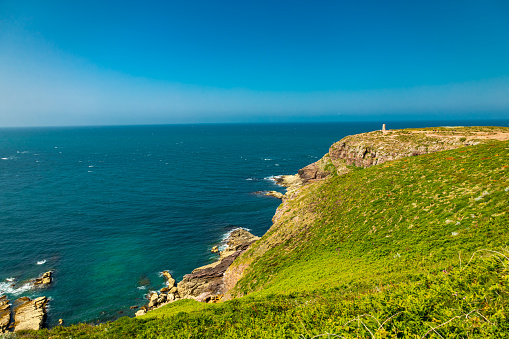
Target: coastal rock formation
{"points": [[361, 150], [5, 314], [169, 279], [214, 249], [275, 194], [237, 239], [374, 148], [30, 314], [44, 280], [206, 283], [209, 281], [165, 295]]}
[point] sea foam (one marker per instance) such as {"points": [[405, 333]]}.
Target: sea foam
{"points": [[7, 288]]}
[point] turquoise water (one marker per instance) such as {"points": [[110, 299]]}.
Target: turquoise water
{"points": [[108, 208]]}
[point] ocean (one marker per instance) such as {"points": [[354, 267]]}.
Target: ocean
{"points": [[109, 208]]}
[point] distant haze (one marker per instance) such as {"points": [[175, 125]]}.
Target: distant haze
{"points": [[90, 63]]}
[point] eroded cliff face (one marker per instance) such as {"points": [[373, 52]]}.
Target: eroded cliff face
{"points": [[377, 147], [361, 150]]}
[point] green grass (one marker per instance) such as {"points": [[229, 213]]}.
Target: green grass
{"points": [[410, 248]]}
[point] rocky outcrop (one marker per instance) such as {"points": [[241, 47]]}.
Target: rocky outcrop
{"points": [[374, 148], [44, 280], [275, 194], [169, 279], [206, 284], [5, 314], [30, 314], [164, 296], [361, 150], [237, 240]]}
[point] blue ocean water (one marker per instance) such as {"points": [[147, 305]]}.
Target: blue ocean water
{"points": [[108, 208]]}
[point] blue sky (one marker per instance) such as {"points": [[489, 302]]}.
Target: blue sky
{"points": [[126, 62]]}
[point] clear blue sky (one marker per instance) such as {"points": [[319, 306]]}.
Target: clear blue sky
{"points": [[130, 62]]}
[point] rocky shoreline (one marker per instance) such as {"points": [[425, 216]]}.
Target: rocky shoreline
{"points": [[211, 283], [25, 313], [206, 283]]}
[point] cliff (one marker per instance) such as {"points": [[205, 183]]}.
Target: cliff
{"points": [[377, 147], [349, 154], [402, 234]]}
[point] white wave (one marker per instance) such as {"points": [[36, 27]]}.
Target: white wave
{"points": [[250, 179], [160, 274], [7, 288], [272, 177], [142, 287], [90, 166], [222, 246], [22, 152], [227, 234], [10, 279], [4, 158], [149, 294], [276, 164], [267, 159], [41, 262]]}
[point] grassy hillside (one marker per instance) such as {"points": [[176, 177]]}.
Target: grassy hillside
{"points": [[411, 248]]}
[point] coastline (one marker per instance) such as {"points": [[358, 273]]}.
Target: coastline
{"points": [[343, 154]]}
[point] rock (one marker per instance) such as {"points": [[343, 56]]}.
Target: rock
{"points": [[210, 280], [60, 322], [30, 314], [173, 290], [204, 297], [288, 180], [214, 249], [5, 314], [164, 290], [44, 280], [140, 312], [170, 281], [161, 299], [153, 297], [237, 239], [133, 307], [275, 194]]}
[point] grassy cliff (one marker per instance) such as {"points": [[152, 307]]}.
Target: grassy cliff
{"points": [[415, 248]]}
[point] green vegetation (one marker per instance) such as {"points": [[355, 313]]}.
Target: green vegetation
{"points": [[413, 248]]}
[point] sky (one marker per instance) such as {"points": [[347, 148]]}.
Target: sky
{"points": [[161, 62]]}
